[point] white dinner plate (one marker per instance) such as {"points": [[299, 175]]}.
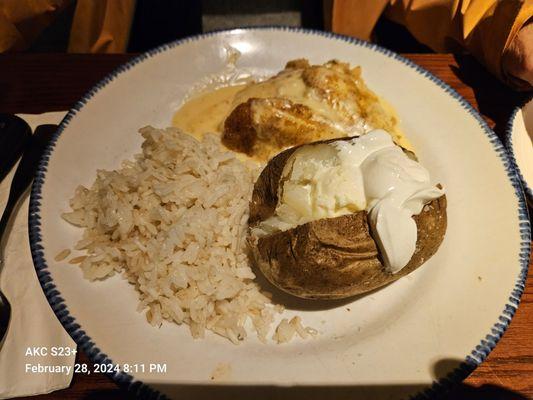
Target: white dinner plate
{"points": [[411, 338], [519, 142]]}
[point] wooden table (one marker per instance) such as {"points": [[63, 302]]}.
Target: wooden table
{"points": [[33, 83]]}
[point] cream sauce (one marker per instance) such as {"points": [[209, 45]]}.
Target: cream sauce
{"points": [[290, 85], [206, 112]]}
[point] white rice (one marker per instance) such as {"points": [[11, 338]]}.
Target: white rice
{"points": [[174, 222], [62, 255]]}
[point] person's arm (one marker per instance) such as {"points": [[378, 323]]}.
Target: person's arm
{"points": [[22, 21], [101, 26], [517, 62], [354, 17], [496, 32]]}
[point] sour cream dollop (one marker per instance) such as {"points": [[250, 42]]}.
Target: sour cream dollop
{"points": [[367, 173]]}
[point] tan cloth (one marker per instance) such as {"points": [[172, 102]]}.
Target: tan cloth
{"points": [[101, 26], [98, 26], [483, 27], [22, 21]]}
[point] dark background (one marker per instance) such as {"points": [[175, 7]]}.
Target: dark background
{"points": [[161, 21]]}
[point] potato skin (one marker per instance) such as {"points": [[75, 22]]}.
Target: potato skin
{"points": [[265, 194], [331, 258]]}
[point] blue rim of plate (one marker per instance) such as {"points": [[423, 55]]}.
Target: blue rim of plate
{"points": [[144, 391], [509, 129]]}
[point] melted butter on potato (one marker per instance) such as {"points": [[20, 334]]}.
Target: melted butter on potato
{"points": [[316, 185]]}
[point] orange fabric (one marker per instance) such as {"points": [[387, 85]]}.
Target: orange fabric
{"points": [[22, 21], [98, 26], [356, 17], [483, 27], [101, 26]]}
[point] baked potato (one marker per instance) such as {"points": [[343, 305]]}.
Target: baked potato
{"points": [[330, 258]]}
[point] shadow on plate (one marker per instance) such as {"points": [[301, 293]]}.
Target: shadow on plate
{"points": [[446, 368], [442, 368]]}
